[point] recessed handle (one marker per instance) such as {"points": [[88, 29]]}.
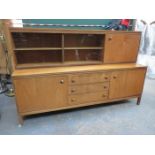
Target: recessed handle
{"points": [[103, 95], [73, 99], [114, 77], [62, 81], [106, 78], [110, 38], [73, 81], [73, 90]]}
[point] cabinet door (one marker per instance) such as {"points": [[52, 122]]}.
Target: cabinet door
{"points": [[121, 47], [126, 83], [41, 93]]}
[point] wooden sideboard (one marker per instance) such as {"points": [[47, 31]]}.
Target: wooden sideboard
{"points": [[58, 69]]}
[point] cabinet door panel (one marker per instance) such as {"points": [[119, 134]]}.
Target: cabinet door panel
{"points": [[121, 47], [117, 84], [126, 83], [41, 93], [135, 81]]}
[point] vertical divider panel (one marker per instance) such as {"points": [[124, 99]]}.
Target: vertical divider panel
{"points": [[63, 52]]}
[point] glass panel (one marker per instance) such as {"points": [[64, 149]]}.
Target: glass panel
{"points": [[38, 56], [28, 40], [82, 55], [83, 40]]}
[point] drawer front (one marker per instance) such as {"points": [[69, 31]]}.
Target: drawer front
{"points": [[88, 88], [88, 78], [88, 98]]}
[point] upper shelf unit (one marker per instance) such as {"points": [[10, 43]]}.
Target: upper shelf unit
{"points": [[49, 49], [40, 47]]}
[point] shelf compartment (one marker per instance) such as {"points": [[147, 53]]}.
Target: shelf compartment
{"points": [[38, 57], [31, 40], [82, 56], [83, 40]]}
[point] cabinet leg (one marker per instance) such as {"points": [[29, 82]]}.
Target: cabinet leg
{"points": [[20, 119], [138, 100]]}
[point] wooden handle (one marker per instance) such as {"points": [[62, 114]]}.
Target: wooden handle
{"points": [[106, 78], [73, 90], [73, 81], [114, 77], [110, 38], [103, 95], [73, 99], [61, 81]]}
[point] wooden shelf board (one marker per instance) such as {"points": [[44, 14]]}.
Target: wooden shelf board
{"points": [[55, 48], [82, 62], [91, 48], [67, 63], [67, 31], [37, 48], [32, 65]]}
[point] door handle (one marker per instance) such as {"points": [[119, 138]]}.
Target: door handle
{"points": [[110, 38], [62, 81]]}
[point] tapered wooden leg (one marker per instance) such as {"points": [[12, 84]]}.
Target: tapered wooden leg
{"points": [[20, 118], [138, 100]]}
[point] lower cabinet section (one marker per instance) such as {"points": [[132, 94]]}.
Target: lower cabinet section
{"points": [[126, 83], [41, 93], [36, 94]]}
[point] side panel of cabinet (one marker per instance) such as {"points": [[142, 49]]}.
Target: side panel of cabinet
{"points": [[121, 47], [41, 93], [126, 83]]}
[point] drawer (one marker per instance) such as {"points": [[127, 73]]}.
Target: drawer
{"points": [[88, 78], [88, 98], [88, 88]]}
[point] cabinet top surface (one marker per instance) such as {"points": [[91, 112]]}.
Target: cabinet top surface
{"points": [[72, 69], [62, 30]]}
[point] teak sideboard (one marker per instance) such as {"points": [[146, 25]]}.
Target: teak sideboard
{"points": [[55, 69]]}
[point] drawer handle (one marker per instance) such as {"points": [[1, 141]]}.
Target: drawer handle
{"points": [[73, 90], [73, 99], [110, 38], [105, 87], [62, 81], [73, 81], [103, 95], [106, 78], [114, 77]]}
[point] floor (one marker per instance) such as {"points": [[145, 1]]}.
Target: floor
{"points": [[116, 118]]}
